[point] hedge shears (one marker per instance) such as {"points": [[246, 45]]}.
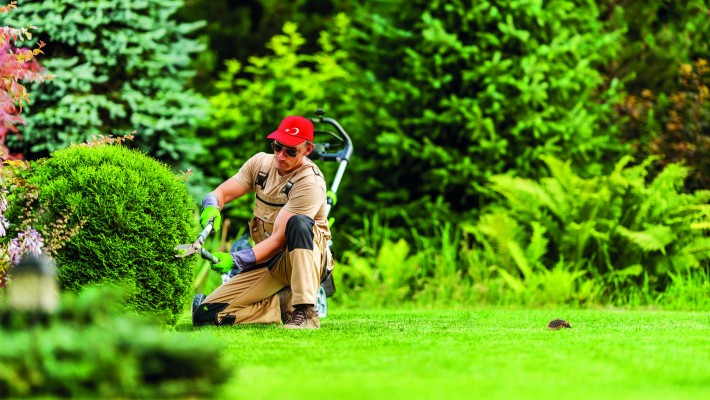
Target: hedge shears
{"points": [[189, 249]]}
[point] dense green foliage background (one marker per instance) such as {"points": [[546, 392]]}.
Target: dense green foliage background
{"points": [[446, 101], [124, 66]]}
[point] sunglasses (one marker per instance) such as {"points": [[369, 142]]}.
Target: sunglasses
{"points": [[290, 151]]}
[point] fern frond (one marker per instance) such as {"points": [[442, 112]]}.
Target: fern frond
{"points": [[622, 163], [515, 283], [499, 227], [577, 237], [391, 259], [670, 179], [636, 175], [561, 198], [681, 261], [561, 172], [702, 196], [537, 248], [523, 194], [632, 270], [661, 202], [700, 211], [519, 258], [653, 238], [700, 248]]}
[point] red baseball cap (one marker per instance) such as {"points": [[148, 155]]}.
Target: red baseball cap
{"points": [[293, 131]]}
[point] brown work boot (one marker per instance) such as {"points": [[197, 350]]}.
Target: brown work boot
{"points": [[285, 303], [305, 316]]}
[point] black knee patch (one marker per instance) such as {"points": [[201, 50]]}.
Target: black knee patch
{"points": [[206, 313], [228, 320], [299, 232]]}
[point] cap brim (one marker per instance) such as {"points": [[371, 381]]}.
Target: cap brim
{"points": [[285, 138]]}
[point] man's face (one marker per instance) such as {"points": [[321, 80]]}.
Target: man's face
{"points": [[289, 158]]}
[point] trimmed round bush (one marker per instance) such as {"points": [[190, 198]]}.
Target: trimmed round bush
{"points": [[133, 211]]}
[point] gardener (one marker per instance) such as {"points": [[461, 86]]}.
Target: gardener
{"points": [[281, 274]]}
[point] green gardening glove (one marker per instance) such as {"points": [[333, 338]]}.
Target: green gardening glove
{"points": [[210, 209], [225, 264], [211, 212], [241, 260]]}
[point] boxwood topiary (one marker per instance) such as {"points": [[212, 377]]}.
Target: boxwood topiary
{"points": [[133, 211]]}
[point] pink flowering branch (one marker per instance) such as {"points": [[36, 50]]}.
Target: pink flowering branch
{"points": [[16, 65]]}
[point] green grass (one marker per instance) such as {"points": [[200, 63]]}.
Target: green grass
{"points": [[455, 354]]}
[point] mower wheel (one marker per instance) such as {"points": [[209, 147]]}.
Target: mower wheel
{"points": [[322, 302]]}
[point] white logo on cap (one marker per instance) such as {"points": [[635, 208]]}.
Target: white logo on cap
{"points": [[294, 130]]}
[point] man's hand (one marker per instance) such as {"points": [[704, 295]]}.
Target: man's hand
{"points": [[240, 260], [211, 212], [210, 209], [225, 264]]}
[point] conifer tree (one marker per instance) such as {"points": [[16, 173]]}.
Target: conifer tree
{"points": [[120, 66]]}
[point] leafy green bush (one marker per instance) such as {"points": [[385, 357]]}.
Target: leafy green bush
{"points": [[600, 238], [120, 66], [131, 211], [89, 350], [475, 89]]}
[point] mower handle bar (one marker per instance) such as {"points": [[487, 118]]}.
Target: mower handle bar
{"points": [[341, 155]]}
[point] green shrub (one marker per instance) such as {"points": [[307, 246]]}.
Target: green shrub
{"points": [[475, 89], [89, 350], [132, 211]]}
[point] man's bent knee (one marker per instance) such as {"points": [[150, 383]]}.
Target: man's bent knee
{"points": [[206, 313], [299, 232]]}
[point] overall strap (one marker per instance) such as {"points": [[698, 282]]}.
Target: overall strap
{"points": [[309, 172], [262, 175]]}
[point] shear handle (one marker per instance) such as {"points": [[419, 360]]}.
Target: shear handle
{"points": [[209, 256], [205, 232]]}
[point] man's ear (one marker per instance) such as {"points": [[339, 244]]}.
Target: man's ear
{"points": [[309, 149]]}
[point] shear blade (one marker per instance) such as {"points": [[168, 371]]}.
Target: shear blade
{"points": [[185, 250]]}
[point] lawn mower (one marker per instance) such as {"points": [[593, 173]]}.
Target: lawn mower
{"points": [[332, 145]]}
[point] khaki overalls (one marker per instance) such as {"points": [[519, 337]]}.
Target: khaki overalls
{"points": [[250, 297]]}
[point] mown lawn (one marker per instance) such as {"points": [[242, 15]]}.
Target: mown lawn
{"points": [[487, 354]]}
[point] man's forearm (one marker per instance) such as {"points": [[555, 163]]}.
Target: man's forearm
{"points": [[268, 248]]}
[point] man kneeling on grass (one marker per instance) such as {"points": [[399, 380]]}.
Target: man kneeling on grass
{"points": [[280, 276]]}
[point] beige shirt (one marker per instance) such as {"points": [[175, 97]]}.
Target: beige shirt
{"points": [[306, 197]]}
